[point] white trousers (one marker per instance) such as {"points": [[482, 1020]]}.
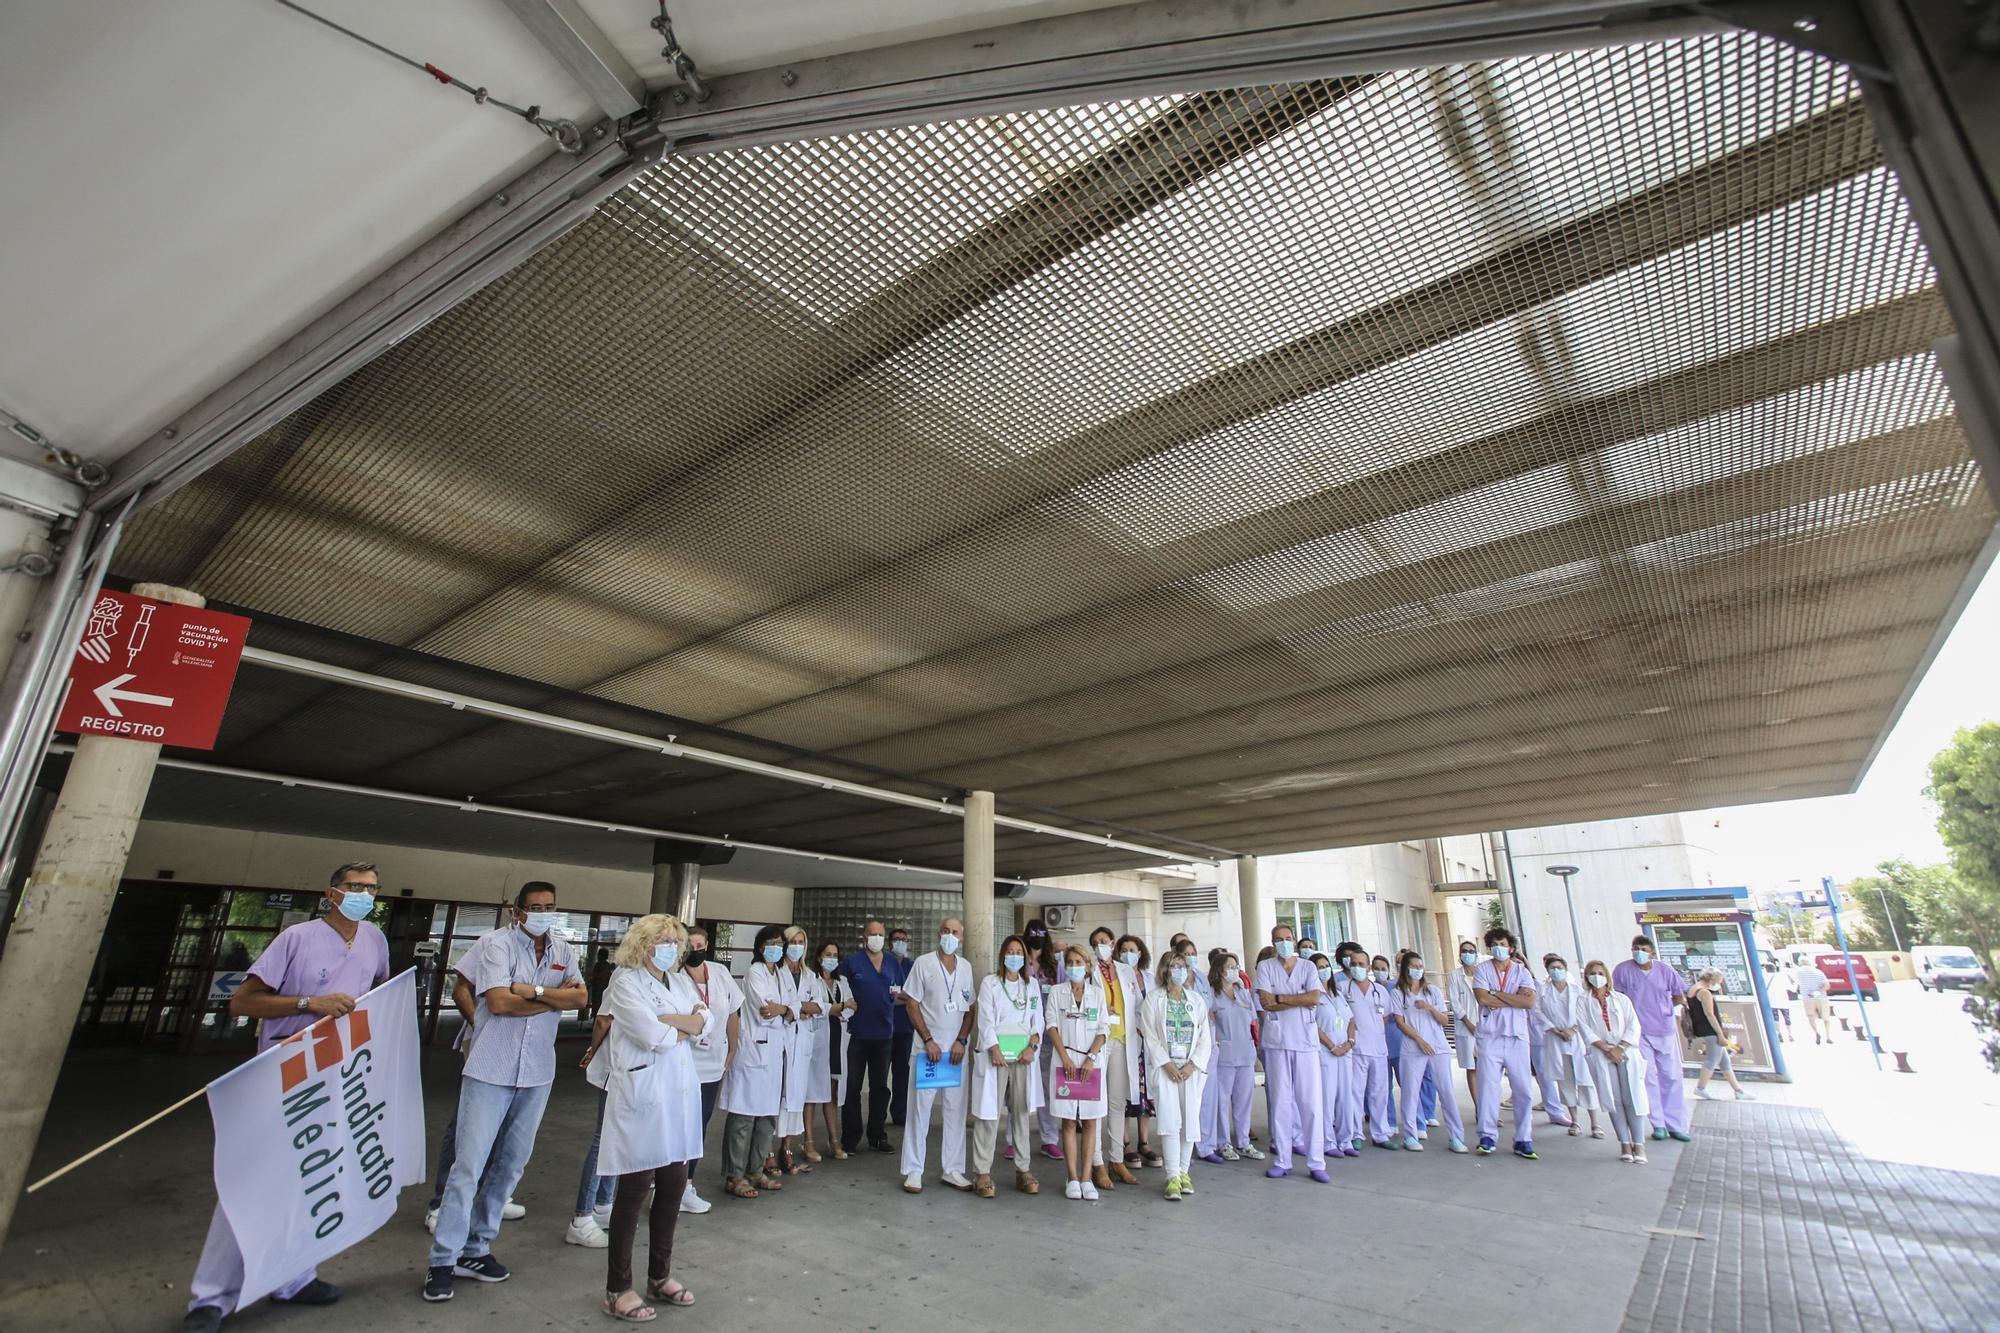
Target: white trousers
{"points": [[949, 1104], [1506, 1056], [218, 1276], [1177, 1118]]}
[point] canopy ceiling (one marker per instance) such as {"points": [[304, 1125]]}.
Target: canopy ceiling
{"points": [[1273, 469]]}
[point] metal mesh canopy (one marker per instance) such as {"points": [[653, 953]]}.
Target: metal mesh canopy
{"points": [[1279, 468]]}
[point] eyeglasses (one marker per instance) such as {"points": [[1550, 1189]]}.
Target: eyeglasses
{"points": [[356, 886]]}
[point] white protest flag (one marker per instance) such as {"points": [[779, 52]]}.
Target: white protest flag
{"points": [[315, 1136]]}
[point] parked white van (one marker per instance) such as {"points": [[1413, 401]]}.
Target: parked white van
{"points": [[1942, 965]]}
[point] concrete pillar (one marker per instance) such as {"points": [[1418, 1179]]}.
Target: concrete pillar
{"points": [[60, 924], [978, 910], [1250, 903], [677, 889]]}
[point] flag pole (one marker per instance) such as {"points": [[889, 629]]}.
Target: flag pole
{"points": [[60, 1172]]}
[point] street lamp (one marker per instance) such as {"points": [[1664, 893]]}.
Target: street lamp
{"points": [[1575, 935]]}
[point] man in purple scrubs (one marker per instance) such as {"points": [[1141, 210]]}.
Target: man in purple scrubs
{"points": [[1659, 994], [311, 971], [1288, 989]]}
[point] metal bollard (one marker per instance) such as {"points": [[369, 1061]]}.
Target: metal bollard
{"points": [[1903, 1062]]}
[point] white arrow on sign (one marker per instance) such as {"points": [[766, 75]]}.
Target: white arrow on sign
{"points": [[109, 694]]}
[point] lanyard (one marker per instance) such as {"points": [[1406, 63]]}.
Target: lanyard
{"points": [[1020, 1005]]}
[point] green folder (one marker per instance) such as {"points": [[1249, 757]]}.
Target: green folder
{"points": [[1012, 1044]]}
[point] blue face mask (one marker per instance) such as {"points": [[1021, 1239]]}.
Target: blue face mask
{"points": [[901, 948], [1285, 948], [828, 964], [1558, 973], [1075, 973], [1502, 952], [947, 945], [773, 952], [355, 905], [795, 952], [1416, 974], [1179, 975], [1014, 962], [665, 956], [1326, 973], [539, 924], [1642, 956], [1382, 975], [1357, 971]]}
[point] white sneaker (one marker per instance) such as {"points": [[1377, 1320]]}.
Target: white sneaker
{"points": [[694, 1203], [1706, 1095], [584, 1231], [913, 1183], [1254, 1154], [431, 1220], [513, 1212], [957, 1180], [1745, 1097], [1089, 1191], [1229, 1154], [1073, 1190]]}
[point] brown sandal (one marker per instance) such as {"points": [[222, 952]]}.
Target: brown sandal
{"points": [[679, 1295], [641, 1313], [739, 1187], [765, 1182], [1025, 1182]]}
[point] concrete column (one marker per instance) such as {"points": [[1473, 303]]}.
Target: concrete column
{"points": [[978, 910], [1250, 903], [60, 925]]}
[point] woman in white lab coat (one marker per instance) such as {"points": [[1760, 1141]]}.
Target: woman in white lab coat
{"points": [[652, 1108], [1617, 1059], [1007, 1074], [1174, 1031], [829, 1067], [805, 995], [1565, 1052], [1335, 1033], [719, 991], [1079, 1025], [1465, 1016], [753, 1090]]}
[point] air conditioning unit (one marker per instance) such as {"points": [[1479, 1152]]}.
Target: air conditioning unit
{"points": [[1059, 918], [1196, 898]]}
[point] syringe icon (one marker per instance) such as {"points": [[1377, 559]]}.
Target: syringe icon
{"points": [[138, 639]]}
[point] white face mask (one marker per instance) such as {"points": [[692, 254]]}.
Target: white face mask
{"points": [[1104, 953], [1130, 958], [1599, 981], [947, 945], [539, 923], [874, 944]]}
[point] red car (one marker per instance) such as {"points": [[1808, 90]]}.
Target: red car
{"points": [[1835, 967]]}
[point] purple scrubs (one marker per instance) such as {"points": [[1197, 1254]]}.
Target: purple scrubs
{"points": [[307, 959], [1654, 991], [1415, 1064], [1291, 1070], [1370, 1074], [1503, 1049], [1232, 1074]]}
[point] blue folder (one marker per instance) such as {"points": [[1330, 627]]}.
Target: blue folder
{"points": [[938, 1073]]}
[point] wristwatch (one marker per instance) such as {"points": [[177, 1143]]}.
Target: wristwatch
{"points": [[304, 1000], [538, 992]]}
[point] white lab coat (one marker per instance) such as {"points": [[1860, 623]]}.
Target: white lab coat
{"points": [[814, 1065], [1465, 1018], [755, 1084], [652, 1094], [725, 997], [1624, 1026], [833, 1035], [1134, 988], [1077, 1023], [1004, 1007], [1176, 1106], [1567, 1061]]}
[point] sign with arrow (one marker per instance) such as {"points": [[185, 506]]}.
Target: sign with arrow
{"points": [[153, 671]]}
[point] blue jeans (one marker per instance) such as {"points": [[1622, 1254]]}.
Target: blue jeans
{"points": [[593, 1191], [497, 1124]]}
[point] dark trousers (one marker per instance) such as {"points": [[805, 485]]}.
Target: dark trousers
{"points": [[899, 1074], [667, 1183], [709, 1092], [866, 1056]]}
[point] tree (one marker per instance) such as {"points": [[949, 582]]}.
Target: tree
{"points": [[1965, 783], [1494, 916], [1888, 905]]}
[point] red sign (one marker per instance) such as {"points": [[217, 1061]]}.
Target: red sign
{"points": [[153, 671]]}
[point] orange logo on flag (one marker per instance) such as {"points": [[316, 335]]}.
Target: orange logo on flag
{"points": [[323, 1042]]}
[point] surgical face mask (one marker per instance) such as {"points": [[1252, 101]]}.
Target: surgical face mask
{"points": [[1357, 971], [828, 964], [1179, 974], [1285, 948], [1382, 975], [1074, 972], [538, 923], [1104, 952], [1130, 958], [1558, 973], [874, 944], [1468, 957], [1014, 962], [772, 953], [1326, 973], [794, 952], [665, 956], [947, 945], [1642, 956], [901, 948], [1501, 952], [1599, 981], [356, 905], [1416, 974]]}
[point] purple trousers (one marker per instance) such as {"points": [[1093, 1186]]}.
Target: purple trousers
{"points": [[1292, 1087], [1666, 1100]]}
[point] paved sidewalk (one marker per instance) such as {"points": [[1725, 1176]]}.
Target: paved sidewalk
{"points": [[1775, 1224]]}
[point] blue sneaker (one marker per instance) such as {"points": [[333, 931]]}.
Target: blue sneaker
{"points": [[481, 1268], [437, 1284], [1659, 1135], [1486, 1147], [1413, 1145], [1526, 1150], [1679, 1137], [1458, 1145]]}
